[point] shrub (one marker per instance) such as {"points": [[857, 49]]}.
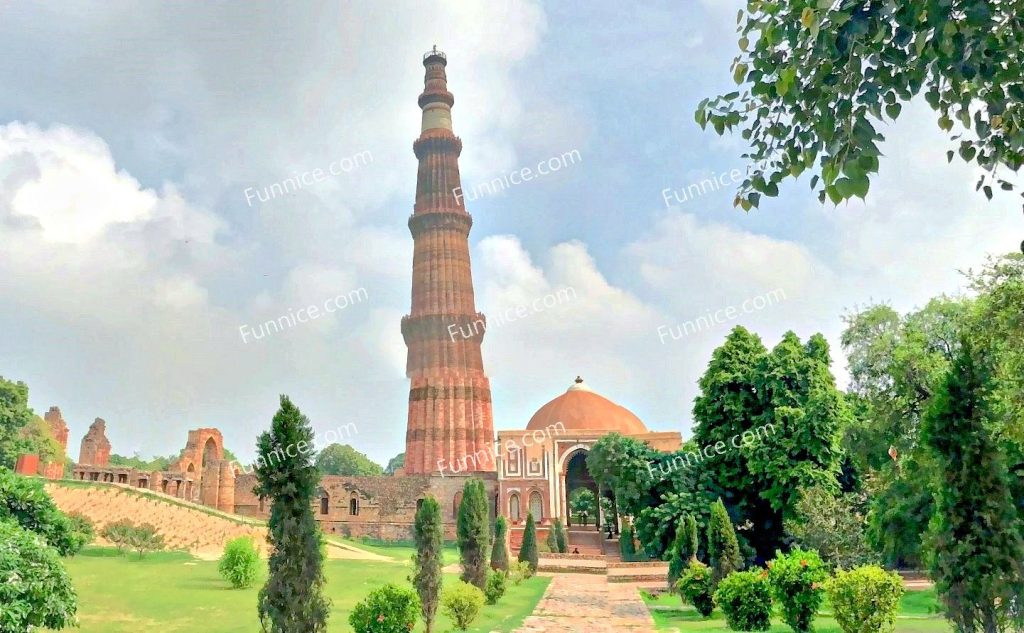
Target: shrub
{"points": [[240, 563], [626, 545], [82, 527], [118, 533], [387, 609], [519, 571], [796, 580], [462, 603], [695, 587], [495, 589], [36, 590], [144, 538], [866, 599], [528, 549], [499, 553], [24, 501], [723, 547], [746, 599]]}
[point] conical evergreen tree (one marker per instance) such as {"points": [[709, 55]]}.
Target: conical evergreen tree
{"points": [[474, 533], [560, 537], [528, 548], [977, 567], [723, 548], [552, 539], [428, 560], [684, 549], [292, 600], [499, 553]]}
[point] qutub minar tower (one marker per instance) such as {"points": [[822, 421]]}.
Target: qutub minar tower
{"points": [[450, 420]]}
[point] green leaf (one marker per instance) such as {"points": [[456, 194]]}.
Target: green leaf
{"points": [[893, 110], [807, 17], [945, 123], [740, 73], [859, 186], [744, 43]]}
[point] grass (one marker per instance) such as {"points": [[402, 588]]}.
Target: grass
{"points": [[172, 592], [398, 551], [919, 613]]}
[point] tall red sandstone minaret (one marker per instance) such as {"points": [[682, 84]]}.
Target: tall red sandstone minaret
{"points": [[450, 425]]}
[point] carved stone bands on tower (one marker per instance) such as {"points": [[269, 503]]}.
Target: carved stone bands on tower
{"points": [[450, 425]]}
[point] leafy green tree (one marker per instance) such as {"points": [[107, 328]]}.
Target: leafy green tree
{"points": [[582, 503], [144, 538], [832, 525], [15, 415], [977, 566], [36, 591], [528, 548], [292, 599], [396, 462], [723, 548], [684, 549], [817, 78], [429, 559], [25, 502], [339, 459], [499, 553], [474, 533]]}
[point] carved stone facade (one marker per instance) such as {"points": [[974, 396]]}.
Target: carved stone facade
{"points": [[95, 449], [449, 396]]}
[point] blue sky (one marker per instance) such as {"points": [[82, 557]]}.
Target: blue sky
{"points": [[130, 256]]}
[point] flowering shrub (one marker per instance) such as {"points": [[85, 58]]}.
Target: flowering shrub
{"points": [[796, 579], [495, 588], [866, 599], [695, 587], [462, 603], [387, 609], [746, 599]]}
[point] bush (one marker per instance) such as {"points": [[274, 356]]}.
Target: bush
{"points": [[24, 501], [82, 527], [866, 599], [462, 603], [495, 589], [694, 586], [519, 571], [118, 533], [144, 538], [746, 599], [240, 563], [387, 609], [796, 580], [36, 591]]}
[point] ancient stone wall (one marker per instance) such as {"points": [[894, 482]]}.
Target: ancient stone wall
{"points": [[95, 450]]}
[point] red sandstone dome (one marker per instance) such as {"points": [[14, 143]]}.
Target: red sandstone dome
{"points": [[580, 408]]}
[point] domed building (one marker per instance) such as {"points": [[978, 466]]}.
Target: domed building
{"points": [[540, 467]]}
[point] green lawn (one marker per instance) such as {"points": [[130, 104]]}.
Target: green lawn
{"points": [[172, 592], [919, 613], [401, 551]]}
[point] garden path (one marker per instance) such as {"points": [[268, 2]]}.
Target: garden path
{"points": [[576, 603]]}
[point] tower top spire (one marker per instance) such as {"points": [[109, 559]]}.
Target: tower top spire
{"points": [[437, 55], [435, 100]]}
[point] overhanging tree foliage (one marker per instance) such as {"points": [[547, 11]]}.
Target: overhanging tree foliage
{"points": [[428, 560], [292, 600], [816, 77], [474, 533]]}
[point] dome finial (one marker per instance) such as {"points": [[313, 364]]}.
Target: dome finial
{"points": [[579, 380]]}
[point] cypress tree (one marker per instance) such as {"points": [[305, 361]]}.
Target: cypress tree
{"points": [[723, 548], [428, 559], [561, 538], [977, 565], [528, 549], [474, 533], [552, 539], [292, 600], [499, 554], [684, 549], [626, 545]]}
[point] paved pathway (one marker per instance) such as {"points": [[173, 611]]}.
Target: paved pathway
{"points": [[582, 603]]}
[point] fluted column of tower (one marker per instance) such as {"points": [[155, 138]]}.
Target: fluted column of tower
{"points": [[450, 426]]}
